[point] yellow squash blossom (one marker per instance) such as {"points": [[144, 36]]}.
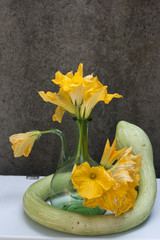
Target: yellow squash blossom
{"points": [[119, 194], [91, 182], [78, 95], [115, 197], [22, 143]]}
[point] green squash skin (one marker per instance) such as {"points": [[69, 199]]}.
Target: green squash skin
{"points": [[36, 208]]}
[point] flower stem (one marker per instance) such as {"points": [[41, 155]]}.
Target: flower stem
{"points": [[78, 112], [81, 152], [80, 147]]}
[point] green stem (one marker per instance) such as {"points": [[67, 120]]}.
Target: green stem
{"points": [[81, 152], [80, 149], [48, 131], [78, 112]]}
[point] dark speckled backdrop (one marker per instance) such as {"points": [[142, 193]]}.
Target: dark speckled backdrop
{"points": [[117, 40]]}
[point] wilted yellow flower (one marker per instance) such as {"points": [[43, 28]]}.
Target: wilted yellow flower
{"points": [[124, 168], [78, 95], [91, 182], [23, 143]]}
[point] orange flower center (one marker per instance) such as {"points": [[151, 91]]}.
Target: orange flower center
{"points": [[92, 175]]}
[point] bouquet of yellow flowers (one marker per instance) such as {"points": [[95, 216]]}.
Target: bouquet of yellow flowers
{"points": [[80, 184]]}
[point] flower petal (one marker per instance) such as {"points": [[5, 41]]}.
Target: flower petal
{"points": [[92, 101], [127, 202], [104, 178], [122, 176], [108, 202], [58, 115], [70, 75], [94, 202], [63, 81], [90, 189], [61, 99], [87, 187], [80, 69], [77, 95], [103, 159], [108, 151], [109, 97], [80, 174], [91, 182]]}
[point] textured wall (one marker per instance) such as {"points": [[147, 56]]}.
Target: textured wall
{"points": [[116, 40]]}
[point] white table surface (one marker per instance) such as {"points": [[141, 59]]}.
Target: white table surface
{"points": [[16, 225]]}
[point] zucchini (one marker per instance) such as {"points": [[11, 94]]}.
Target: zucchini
{"points": [[37, 208]]}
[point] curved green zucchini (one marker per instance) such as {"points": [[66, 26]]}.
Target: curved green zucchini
{"points": [[35, 206]]}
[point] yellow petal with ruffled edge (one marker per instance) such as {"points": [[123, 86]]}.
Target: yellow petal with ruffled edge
{"points": [[137, 159], [93, 85], [94, 202], [91, 189], [80, 69], [77, 89], [80, 174], [69, 81], [120, 189], [109, 97], [69, 75], [63, 81], [90, 103], [136, 179], [84, 180], [104, 178], [127, 202], [58, 115], [61, 99], [106, 201], [122, 176], [91, 182], [124, 164], [128, 162]]}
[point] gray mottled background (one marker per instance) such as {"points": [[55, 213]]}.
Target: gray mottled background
{"points": [[117, 40]]}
